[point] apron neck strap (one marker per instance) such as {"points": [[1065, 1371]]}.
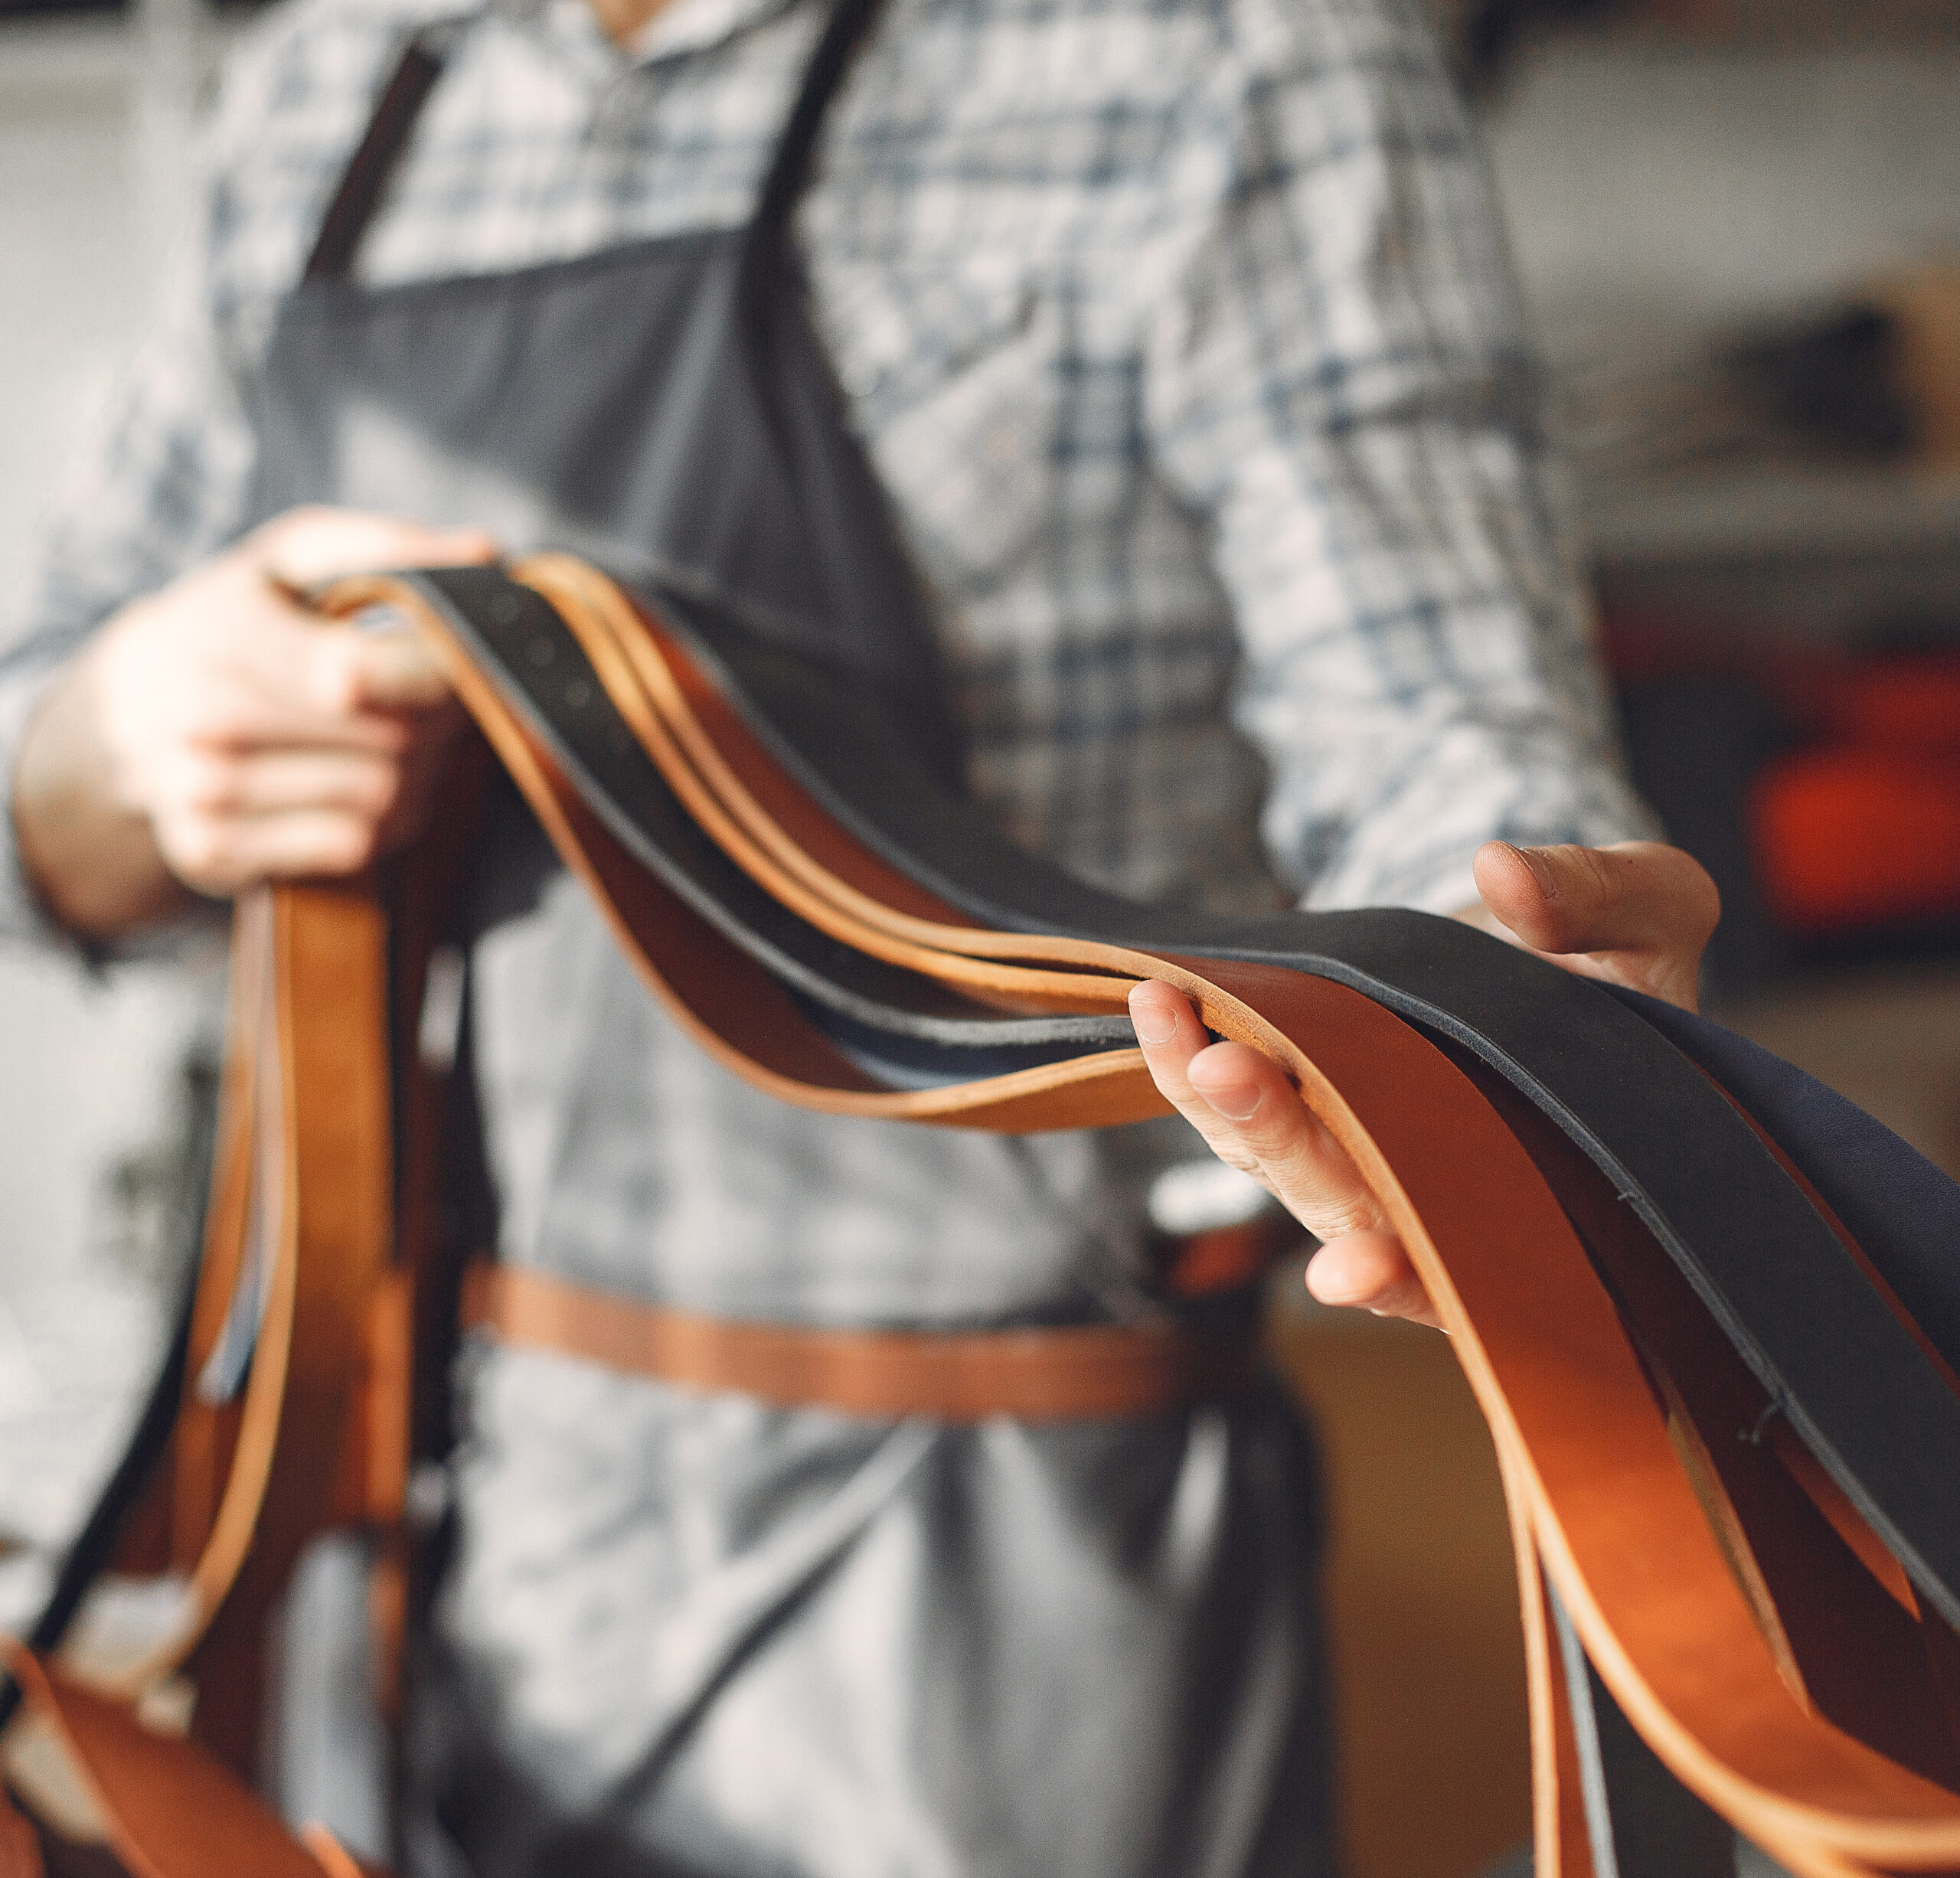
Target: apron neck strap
{"points": [[394, 123], [789, 171], [367, 170]]}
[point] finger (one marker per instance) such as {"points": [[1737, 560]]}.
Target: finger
{"points": [[1370, 1271], [1170, 1035], [305, 546], [349, 667], [1249, 1115], [329, 680], [305, 810], [1254, 1119], [398, 670], [1637, 912], [254, 700], [1632, 896], [225, 655], [281, 779], [1288, 1147], [222, 855]]}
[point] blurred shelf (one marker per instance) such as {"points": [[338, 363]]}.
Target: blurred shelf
{"points": [[1831, 556], [1699, 27], [1780, 514]]}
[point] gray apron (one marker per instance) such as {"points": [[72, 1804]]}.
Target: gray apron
{"points": [[680, 1634]]}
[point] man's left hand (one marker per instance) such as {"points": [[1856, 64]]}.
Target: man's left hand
{"points": [[1637, 913]]}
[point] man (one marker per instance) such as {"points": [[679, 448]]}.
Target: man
{"points": [[1180, 337]]}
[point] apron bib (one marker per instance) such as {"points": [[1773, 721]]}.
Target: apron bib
{"points": [[664, 407]]}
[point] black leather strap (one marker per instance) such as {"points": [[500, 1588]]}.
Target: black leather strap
{"points": [[1641, 1822], [880, 1014], [94, 1547]]}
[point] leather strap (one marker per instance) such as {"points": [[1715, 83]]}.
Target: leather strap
{"points": [[1681, 1640], [1095, 1372], [20, 1850], [1641, 1822], [560, 670], [166, 1807], [1625, 1267], [359, 193]]}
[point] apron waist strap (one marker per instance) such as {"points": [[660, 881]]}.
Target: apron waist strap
{"points": [[1089, 1372]]}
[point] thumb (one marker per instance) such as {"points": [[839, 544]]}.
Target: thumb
{"points": [[305, 547], [398, 670], [1637, 912]]}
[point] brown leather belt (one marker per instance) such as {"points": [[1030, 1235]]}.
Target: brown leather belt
{"points": [[1085, 1373]]}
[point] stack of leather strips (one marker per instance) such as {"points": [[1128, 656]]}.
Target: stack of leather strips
{"points": [[1710, 1311]]}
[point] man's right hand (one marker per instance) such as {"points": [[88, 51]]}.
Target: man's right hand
{"points": [[216, 732]]}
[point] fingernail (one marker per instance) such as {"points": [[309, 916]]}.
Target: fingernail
{"points": [[1153, 1021], [1239, 1103], [1153, 1024], [1542, 870], [1328, 1287]]}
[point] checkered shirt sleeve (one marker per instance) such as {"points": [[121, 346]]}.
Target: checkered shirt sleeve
{"points": [[1340, 380]]}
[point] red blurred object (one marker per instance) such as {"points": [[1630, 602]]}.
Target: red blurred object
{"points": [[1848, 836], [1857, 831], [1903, 705]]}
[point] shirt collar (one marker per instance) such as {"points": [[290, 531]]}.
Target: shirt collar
{"points": [[695, 25]]}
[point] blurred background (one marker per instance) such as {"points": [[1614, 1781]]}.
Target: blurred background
{"points": [[97, 111], [1738, 226]]}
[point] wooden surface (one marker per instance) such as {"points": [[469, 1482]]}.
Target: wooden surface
{"points": [[1434, 1770]]}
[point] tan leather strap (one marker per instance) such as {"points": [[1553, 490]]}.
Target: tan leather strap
{"points": [[254, 1479], [1094, 1373], [335, 1858], [164, 1806], [20, 1849]]}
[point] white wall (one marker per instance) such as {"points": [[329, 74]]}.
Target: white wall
{"points": [[1653, 188], [94, 140]]}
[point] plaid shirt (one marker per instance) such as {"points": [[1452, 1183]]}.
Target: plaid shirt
{"points": [[1183, 335]]}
